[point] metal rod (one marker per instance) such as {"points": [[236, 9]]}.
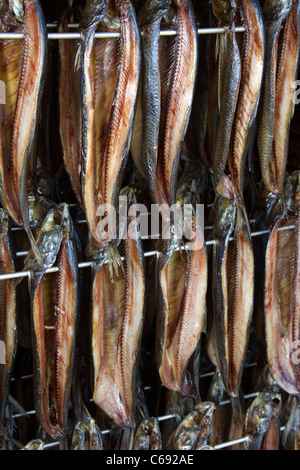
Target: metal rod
{"points": [[109, 35], [147, 254], [230, 443]]}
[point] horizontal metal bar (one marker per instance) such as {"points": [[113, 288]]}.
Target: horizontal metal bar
{"points": [[223, 445], [160, 419], [147, 254], [109, 35]]}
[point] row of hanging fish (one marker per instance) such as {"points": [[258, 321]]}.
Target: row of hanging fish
{"points": [[159, 115]]}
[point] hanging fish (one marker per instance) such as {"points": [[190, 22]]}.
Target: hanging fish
{"points": [[118, 289], [54, 311], [110, 73], [258, 418], [282, 291], [194, 139], [148, 435], [146, 123], [170, 66], [8, 312], [70, 100], [277, 91], [233, 286], [22, 70], [286, 75], [229, 76], [181, 294], [194, 430], [271, 439], [86, 434], [252, 64]]}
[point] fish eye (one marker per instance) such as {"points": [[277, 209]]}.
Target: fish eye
{"points": [[186, 440], [49, 244], [261, 412]]}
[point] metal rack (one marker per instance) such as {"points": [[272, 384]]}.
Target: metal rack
{"points": [[109, 35], [86, 264], [147, 254]]}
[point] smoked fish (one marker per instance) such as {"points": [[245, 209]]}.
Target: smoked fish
{"points": [[22, 70], [233, 286], [168, 82], [252, 66], [70, 101], [54, 312], [282, 291], [276, 100], [181, 297], [118, 289], [110, 74]]}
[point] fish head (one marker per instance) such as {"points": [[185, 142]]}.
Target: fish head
{"points": [[142, 439], [86, 436], [224, 10], [95, 252], [186, 434], [185, 438], [207, 408], [66, 219], [149, 432], [48, 240], [260, 412], [111, 18], [276, 9], [35, 444], [38, 207]]}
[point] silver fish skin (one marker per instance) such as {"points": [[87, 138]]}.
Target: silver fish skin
{"points": [[258, 418], [35, 444], [148, 435], [194, 429], [149, 108], [86, 434]]}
